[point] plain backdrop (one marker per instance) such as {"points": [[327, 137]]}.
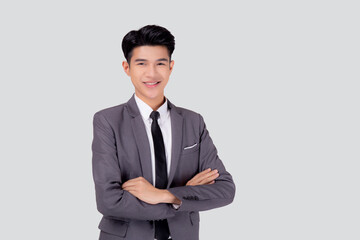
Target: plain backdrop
{"points": [[277, 83]]}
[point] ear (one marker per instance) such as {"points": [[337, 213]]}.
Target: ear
{"points": [[126, 67], [171, 65]]}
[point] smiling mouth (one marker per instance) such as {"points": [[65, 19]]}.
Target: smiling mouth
{"points": [[151, 83]]}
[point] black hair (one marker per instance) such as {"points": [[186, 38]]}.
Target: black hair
{"points": [[149, 35]]}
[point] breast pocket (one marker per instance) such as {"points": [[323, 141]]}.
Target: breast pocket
{"points": [[190, 148], [188, 164]]}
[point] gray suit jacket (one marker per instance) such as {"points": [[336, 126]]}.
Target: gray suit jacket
{"points": [[121, 151]]}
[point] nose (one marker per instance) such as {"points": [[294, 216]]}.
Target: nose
{"points": [[151, 71]]}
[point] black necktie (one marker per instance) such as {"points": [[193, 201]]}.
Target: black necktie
{"points": [[161, 226]]}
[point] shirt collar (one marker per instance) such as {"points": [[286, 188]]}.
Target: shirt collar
{"points": [[146, 110]]}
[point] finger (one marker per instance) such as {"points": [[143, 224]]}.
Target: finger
{"points": [[209, 178], [130, 189], [200, 174], [190, 183], [208, 175], [204, 172], [126, 184], [133, 181], [130, 183], [214, 174], [198, 177]]}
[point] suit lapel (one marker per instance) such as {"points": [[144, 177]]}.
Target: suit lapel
{"points": [[142, 140], [143, 145], [177, 136]]}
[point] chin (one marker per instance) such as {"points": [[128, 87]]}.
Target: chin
{"points": [[151, 95]]}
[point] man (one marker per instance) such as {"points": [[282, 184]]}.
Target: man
{"points": [[154, 164]]}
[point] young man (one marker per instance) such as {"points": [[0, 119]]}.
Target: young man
{"points": [[154, 164]]}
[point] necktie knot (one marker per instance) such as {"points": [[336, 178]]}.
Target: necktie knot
{"points": [[154, 115]]}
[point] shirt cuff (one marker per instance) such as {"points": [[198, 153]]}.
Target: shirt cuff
{"points": [[176, 206]]}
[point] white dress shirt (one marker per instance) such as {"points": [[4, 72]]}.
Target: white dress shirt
{"points": [[164, 122]]}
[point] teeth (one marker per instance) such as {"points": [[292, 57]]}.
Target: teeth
{"points": [[151, 83]]}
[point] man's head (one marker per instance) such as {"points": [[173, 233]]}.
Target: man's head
{"points": [[150, 35], [148, 51]]}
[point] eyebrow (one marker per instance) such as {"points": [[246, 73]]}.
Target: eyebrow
{"points": [[140, 60], [144, 60], [163, 59]]}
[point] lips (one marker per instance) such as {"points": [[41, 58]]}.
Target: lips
{"points": [[151, 84]]}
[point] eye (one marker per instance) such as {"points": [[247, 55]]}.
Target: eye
{"points": [[161, 64], [140, 63]]}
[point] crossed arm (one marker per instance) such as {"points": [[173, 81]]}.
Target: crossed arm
{"points": [[145, 191], [138, 199]]}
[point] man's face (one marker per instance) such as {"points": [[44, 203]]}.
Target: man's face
{"points": [[148, 65]]}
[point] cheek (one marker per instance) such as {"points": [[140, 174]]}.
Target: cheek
{"points": [[136, 77], [165, 76]]}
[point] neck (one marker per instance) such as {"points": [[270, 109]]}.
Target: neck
{"points": [[153, 103]]}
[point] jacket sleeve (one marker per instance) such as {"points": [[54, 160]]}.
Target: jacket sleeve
{"points": [[111, 200], [205, 197]]}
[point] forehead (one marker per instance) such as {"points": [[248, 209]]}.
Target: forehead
{"points": [[150, 52]]}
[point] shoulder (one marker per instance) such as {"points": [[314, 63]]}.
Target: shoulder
{"points": [[110, 112], [190, 116], [187, 113]]}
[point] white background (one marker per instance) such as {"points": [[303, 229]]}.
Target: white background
{"points": [[276, 81]]}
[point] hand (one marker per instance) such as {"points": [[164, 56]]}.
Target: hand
{"points": [[205, 177], [143, 190]]}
